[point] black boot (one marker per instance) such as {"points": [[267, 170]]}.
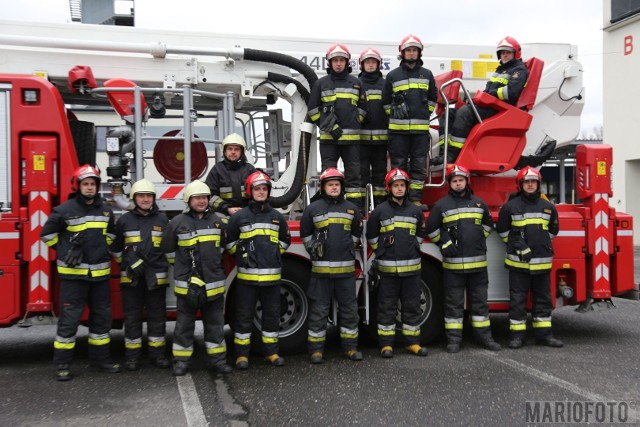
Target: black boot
{"points": [[516, 342], [161, 362], [107, 367], [64, 372], [489, 343], [453, 347], [132, 364], [219, 366], [550, 342], [180, 368], [452, 155]]}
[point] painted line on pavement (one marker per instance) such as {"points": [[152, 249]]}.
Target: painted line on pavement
{"points": [[191, 402]]}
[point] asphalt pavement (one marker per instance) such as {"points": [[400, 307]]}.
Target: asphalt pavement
{"points": [[474, 387]]}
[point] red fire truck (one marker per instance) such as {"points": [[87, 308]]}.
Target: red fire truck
{"points": [[75, 94]]}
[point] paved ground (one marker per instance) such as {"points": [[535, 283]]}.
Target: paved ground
{"points": [[475, 387]]}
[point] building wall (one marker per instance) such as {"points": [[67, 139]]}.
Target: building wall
{"points": [[621, 43]]}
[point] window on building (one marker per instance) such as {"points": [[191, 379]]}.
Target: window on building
{"points": [[622, 9]]}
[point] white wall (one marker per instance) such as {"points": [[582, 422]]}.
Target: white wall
{"points": [[621, 44]]}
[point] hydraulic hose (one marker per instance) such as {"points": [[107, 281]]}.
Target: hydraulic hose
{"points": [[282, 59], [306, 129], [301, 172]]}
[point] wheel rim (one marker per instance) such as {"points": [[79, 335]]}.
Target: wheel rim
{"points": [[294, 309], [426, 305]]}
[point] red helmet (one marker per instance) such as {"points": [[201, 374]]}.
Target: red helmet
{"points": [[526, 174], [510, 44], [254, 179], [338, 50], [454, 169], [370, 53], [410, 41], [330, 174], [395, 175], [84, 171]]}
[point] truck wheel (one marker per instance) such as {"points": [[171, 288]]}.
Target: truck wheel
{"points": [[84, 139], [431, 305], [431, 302]]}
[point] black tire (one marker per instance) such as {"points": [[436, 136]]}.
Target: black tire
{"points": [[431, 304], [294, 310], [84, 139]]}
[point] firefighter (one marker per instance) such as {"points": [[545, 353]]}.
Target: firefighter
{"points": [[336, 107], [194, 244], [410, 97], [506, 84], [143, 275], [527, 224], [81, 231], [374, 134], [257, 236], [395, 231], [330, 229], [460, 222], [226, 179]]}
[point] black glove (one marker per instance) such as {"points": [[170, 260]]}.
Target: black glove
{"points": [[449, 250], [336, 132], [328, 120], [74, 255], [399, 109], [134, 261], [374, 275], [525, 255]]}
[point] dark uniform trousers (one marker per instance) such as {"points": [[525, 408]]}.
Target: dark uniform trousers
{"points": [[414, 145], [212, 320], [407, 289], [519, 285], [373, 168], [246, 298], [456, 284], [320, 293], [134, 300], [74, 296], [462, 120]]}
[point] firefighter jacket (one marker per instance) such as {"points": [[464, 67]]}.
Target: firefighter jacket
{"points": [[137, 248], [376, 122], [330, 227], [465, 222], [416, 89], [194, 246], [257, 236], [226, 181], [507, 82], [527, 224], [89, 225], [395, 232], [337, 100]]}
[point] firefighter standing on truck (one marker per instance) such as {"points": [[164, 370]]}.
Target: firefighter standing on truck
{"points": [[257, 236], [395, 231], [330, 229], [226, 178], [336, 107], [374, 134], [194, 243], [81, 231], [506, 84], [527, 224], [460, 223], [143, 275], [410, 97]]}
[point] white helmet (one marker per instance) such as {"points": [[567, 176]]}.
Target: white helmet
{"points": [[234, 139], [142, 186], [196, 188]]}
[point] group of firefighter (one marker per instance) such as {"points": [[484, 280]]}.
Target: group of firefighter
{"points": [[360, 120]]}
